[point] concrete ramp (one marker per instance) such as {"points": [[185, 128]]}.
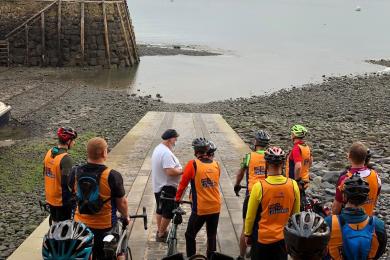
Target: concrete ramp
{"points": [[132, 157]]}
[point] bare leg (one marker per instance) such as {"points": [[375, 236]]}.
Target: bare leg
{"points": [[164, 223], [242, 241], [158, 220]]}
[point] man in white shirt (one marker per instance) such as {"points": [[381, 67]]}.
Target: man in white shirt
{"points": [[166, 171]]}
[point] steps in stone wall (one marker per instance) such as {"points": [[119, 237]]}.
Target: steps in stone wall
{"points": [[4, 53]]}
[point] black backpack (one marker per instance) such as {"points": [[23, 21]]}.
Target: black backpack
{"points": [[88, 196]]}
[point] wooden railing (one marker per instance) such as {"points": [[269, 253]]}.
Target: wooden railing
{"points": [[125, 22]]}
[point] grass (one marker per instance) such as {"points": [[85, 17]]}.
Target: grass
{"points": [[21, 165]]}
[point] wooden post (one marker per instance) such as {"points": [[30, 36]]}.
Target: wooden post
{"points": [[106, 34], [82, 40], [125, 34], [27, 46], [43, 49], [131, 32], [59, 54]]}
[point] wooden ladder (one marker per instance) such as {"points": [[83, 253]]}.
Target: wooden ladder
{"points": [[4, 53]]}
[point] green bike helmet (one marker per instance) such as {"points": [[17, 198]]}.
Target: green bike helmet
{"points": [[299, 131]]}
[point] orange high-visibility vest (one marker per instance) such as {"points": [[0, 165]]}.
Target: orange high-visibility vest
{"points": [[102, 219], [53, 185], [256, 169], [206, 198], [306, 158], [277, 205]]}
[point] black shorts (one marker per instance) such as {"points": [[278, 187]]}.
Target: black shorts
{"points": [[245, 207], [274, 251], [165, 207], [60, 213]]}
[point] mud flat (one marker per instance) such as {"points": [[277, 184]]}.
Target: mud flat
{"points": [[337, 112]]}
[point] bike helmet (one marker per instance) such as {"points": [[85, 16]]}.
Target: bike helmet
{"points": [[212, 148], [67, 240], [262, 138], [299, 131], [201, 144], [306, 236], [66, 133], [274, 155], [356, 189]]}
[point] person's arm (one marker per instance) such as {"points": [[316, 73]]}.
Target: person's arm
{"points": [[297, 201], [253, 204], [381, 235], [338, 199], [66, 169], [336, 207], [240, 176], [170, 165], [297, 158], [123, 208], [173, 171], [188, 174], [115, 182]]}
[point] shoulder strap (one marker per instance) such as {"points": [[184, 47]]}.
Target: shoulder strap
{"points": [[194, 164]]}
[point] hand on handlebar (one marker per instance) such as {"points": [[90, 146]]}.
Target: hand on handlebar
{"points": [[125, 221]]}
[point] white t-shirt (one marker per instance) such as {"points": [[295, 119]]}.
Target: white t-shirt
{"points": [[163, 158]]}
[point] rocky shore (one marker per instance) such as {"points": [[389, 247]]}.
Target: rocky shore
{"points": [[337, 112]]}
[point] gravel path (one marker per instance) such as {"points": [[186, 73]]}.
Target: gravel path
{"points": [[337, 112]]}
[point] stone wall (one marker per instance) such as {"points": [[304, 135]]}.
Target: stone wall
{"points": [[15, 12]]}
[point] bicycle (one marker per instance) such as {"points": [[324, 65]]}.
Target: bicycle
{"points": [[316, 206], [116, 241], [177, 219]]}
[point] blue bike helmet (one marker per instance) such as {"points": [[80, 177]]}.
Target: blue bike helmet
{"points": [[67, 240]]}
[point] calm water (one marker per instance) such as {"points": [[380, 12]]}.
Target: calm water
{"points": [[267, 45]]}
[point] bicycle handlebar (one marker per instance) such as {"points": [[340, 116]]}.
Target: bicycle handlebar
{"points": [[241, 187], [144, 216], [180, 201]]}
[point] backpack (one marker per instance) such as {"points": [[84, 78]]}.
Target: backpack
{"points": [[357, 243], [88, 198]]}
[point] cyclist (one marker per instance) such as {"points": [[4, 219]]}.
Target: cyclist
{"points": [[306, 236], [203, 173], [355, 234], [57, 167], [272, 201], [253, 167], [67, 240], [357, 157], [299, 160], [166, 171], [100, 194]]}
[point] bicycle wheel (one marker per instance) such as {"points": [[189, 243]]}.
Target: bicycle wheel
{"points": [[172, 246]]}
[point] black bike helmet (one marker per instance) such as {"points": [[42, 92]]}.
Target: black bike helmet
{"points": [[201, 145], [262, 138], [306, 236], [212, 149], [356, 189], [274, 155], [68, 240]]}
